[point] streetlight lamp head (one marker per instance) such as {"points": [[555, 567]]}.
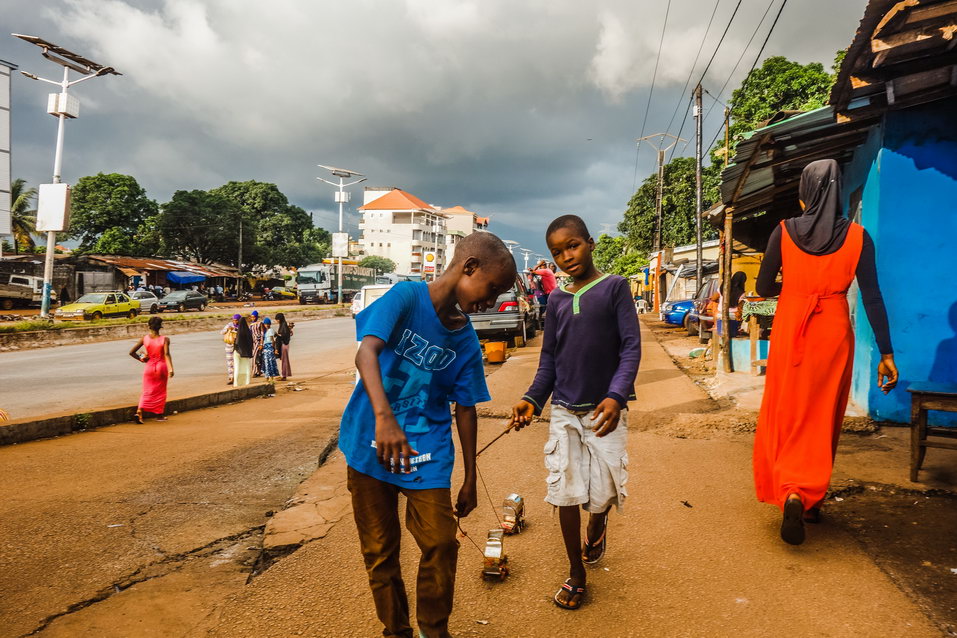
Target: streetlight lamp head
{"points": [[65, 57], [341, 172]]}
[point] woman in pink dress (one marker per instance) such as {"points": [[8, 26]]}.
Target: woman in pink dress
{"points": [[159, 368]]}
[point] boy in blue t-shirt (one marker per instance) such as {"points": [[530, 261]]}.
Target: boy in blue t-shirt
{"points": [[418, 354]]}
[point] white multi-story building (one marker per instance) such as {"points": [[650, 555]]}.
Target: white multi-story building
{"points": [[461, 223], [400, 226]]}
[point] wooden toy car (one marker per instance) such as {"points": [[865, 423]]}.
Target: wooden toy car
{"points": [[496, 560], [513, 514]]}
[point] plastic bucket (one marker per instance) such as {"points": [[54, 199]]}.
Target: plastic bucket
{"points": [[495, 351]]}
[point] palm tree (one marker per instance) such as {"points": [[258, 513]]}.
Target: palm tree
{"points": [[23, 219]]}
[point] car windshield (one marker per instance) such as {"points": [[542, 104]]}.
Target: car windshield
{"points": [[91, 299], [179, 294], [142, 295], [310, 278]]}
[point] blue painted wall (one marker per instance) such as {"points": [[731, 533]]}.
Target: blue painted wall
{"points": [[908, 170]]}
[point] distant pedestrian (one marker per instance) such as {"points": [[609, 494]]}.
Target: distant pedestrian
{"points": [[284, 335], [819, 254], [547, 277], [418, 354], [159, 369], [242, 354], [589, 360], [738, 282], [258, 330], [229, 332], [270, 366]]}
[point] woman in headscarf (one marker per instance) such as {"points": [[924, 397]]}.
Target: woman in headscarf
{"points": [[242, 354], [812, 347], [738, 281], [270, 369], [258, 330], [229, 339], [284, 336]]}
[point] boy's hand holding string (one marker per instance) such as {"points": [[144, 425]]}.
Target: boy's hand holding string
{"points": [[609, 410]]}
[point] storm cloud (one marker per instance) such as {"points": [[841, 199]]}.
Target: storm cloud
{"points": [[518, 110]]}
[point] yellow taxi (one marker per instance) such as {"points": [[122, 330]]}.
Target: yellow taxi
{"points": [[96, 305]]}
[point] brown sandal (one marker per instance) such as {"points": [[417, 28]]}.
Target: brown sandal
{"points": [[576, 594]]}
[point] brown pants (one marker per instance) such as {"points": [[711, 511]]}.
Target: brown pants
{"points": [[428, 516]]}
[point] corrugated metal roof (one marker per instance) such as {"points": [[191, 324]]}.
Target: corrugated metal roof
{"points": [[140, 264]]}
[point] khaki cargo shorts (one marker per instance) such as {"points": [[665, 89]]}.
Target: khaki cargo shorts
{"points": [[584, 469]]}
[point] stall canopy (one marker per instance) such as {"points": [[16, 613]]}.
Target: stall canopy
{"points": [[182, 277]]}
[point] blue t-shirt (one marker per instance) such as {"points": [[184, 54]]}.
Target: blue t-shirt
{"points": [[425, 366]]}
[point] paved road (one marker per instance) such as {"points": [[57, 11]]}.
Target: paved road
{"points": [[96, 375]]}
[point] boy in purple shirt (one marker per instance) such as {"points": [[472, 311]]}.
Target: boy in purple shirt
{"points": [[588, 365]]}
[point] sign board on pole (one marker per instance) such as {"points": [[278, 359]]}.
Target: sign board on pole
{"points": [[5, 69], [53, 208], [340, 244], [429, 262]]}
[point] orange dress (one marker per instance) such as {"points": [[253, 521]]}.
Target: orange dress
{"points": [[808, 373]]}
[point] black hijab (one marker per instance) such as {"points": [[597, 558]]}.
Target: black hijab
{"points": [[244, 340], [738, 280], [822, 228]]}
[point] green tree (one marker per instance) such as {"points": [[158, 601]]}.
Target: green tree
{"points": [[614, 255], [107, 201], [199, 225], [23, 217], [382, 265], [678, 206]]}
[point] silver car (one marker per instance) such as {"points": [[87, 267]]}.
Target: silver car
{"points": [[148, 300]]}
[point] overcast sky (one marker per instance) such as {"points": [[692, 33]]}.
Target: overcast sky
{"points": [[518, 110]]}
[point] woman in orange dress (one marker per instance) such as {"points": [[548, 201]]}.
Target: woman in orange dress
{"points": [[819, 254], [159, 368]]}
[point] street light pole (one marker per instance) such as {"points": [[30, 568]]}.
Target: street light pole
{"points": [[341, 197], [699, 200], [61, 106]]}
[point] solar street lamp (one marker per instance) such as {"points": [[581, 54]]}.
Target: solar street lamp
{"points": [[340, 245], [54, 200]]}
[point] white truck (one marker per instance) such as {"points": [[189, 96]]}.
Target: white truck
{"points": [[21, 290], [318, 283]]}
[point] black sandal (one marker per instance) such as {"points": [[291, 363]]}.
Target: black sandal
{"points": [[792, 524], [813, 515], [600, 544], [573, 602]]}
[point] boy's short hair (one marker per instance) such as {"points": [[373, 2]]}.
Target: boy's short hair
{"points": [[572, 222], [485, 247]]}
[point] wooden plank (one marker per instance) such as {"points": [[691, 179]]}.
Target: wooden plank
{"points": [[945, 445], [948, 433], [939, 403]]}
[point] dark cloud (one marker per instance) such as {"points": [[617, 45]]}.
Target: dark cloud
{"points": [[490, 104]]}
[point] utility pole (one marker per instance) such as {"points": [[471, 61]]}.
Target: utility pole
{"points": [[662, 150], [62, 105], [239, 260], [699, 204]]}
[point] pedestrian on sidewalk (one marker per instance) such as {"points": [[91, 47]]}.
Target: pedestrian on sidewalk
{"points": [[258, 331], [589, 360], [158, 371], [812, 347], [418, 353], [270, 341], [284, 336], [229, 332], [242, 354]]}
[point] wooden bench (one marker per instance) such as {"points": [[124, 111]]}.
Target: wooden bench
{"points": [[929, 396]]}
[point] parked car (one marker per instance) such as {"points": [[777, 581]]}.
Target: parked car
{"points": [[676, 312], [280, 292], [182, 300], [96, 305], [699, 319], [148, 300], [368, 294], [515, 313]]}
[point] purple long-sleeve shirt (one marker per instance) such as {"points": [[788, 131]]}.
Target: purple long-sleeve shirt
{"points": [[591, 348]]}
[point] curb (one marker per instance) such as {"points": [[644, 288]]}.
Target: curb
{"points": [[32, 430], [13, 341]]}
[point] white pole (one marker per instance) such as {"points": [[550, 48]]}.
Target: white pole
{"points": [[340, 230], [51, 235]]}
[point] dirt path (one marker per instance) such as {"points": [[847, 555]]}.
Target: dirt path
{"points": [[137, 530], [693, 554]]}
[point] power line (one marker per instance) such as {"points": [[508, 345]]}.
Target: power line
{"points": [[694, 64], [713, 54], [755, 63], [654, 76]]}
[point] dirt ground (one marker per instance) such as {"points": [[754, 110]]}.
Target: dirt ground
{"points": [[909, 529]]}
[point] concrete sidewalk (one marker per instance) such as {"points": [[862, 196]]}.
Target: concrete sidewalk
{"points": [[693, 553]]}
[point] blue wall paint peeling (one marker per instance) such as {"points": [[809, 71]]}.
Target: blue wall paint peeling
{"points": [[910, 209]]}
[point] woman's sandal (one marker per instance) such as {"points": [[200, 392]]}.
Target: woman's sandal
{"points": [[589, 547], [812, 515], [576, 594], [138, 418], [792, 524]]}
